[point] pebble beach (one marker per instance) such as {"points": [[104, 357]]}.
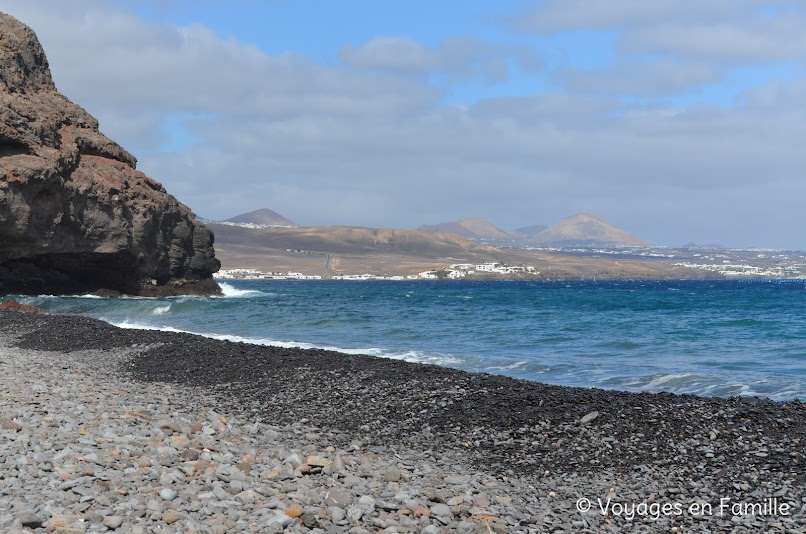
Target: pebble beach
{"points": [[110, 430]]}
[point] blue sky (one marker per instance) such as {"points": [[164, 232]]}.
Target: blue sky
{"points": [[286, 27], [678, 120]]}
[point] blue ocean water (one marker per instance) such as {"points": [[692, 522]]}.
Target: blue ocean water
{"points": [[718, 338]]}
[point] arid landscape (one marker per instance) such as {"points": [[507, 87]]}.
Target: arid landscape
{"points": [[578, 247]]}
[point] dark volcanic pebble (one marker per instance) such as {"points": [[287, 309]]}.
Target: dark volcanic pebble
{"points": [[509, 426]]}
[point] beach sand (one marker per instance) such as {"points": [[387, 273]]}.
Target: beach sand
{"points": [[105, 429]]}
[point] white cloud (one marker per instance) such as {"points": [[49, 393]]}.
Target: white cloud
{"points": [[640, 78], [785, 97], [392, 53], [120, 67], [751, 41], [370, 141], [460, 57], [563, 15], [718, 30]]}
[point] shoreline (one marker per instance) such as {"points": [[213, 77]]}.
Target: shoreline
{"points": [[482, 278], [572, 442], [716, 343]]}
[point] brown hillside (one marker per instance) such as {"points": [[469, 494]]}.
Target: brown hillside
{"points": [[350, 240], [584, 228], [471, 228]]}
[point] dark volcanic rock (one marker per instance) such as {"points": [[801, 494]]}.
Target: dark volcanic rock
{"points": [[75, 215], [13, 305]]}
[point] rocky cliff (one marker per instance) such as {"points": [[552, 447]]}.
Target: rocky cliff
{"points": [[75, 215]]}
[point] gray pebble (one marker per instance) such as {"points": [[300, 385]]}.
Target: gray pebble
{"points": [[334, 497], [113, 521], [336, 513], [99, 451], [441, 510]]}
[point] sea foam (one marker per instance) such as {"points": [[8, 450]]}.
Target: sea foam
{"points": [[161, 310], [233, 292], [408, 356]]}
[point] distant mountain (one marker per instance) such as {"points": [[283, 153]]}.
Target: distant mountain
{"points": [[470, 228], [587, 229], [349, 240], [528, 233], [262, 217]]}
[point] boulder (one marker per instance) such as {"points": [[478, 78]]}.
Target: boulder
{"points": [[13, 305], [75, 214]]}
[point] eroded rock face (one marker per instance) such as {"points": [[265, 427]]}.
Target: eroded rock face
{"points": [[75, 215]]}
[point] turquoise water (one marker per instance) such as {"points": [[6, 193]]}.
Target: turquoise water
{"points": [[708, 338]]}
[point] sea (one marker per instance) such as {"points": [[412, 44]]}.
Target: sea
{"points": [[712, 338]]}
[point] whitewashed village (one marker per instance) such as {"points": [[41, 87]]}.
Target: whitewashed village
{"points": [[452, 272]]}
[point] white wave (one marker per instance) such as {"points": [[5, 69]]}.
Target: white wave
{"points": [[55, 297], [727, 389], [414, 356], [96, 297], [140, 326], [509, 367], [226, 289], [409, 356], [748, 390], [233, 292], [670, 380], [696, 385], [161, 310]]}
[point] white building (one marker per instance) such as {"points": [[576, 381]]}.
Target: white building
{"points": [[300, 276]]}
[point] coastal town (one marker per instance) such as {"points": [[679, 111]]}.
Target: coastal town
{"points": [[452, 272], [732, 264]]}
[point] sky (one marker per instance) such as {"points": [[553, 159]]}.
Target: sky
{"points": [[678, 120]]}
